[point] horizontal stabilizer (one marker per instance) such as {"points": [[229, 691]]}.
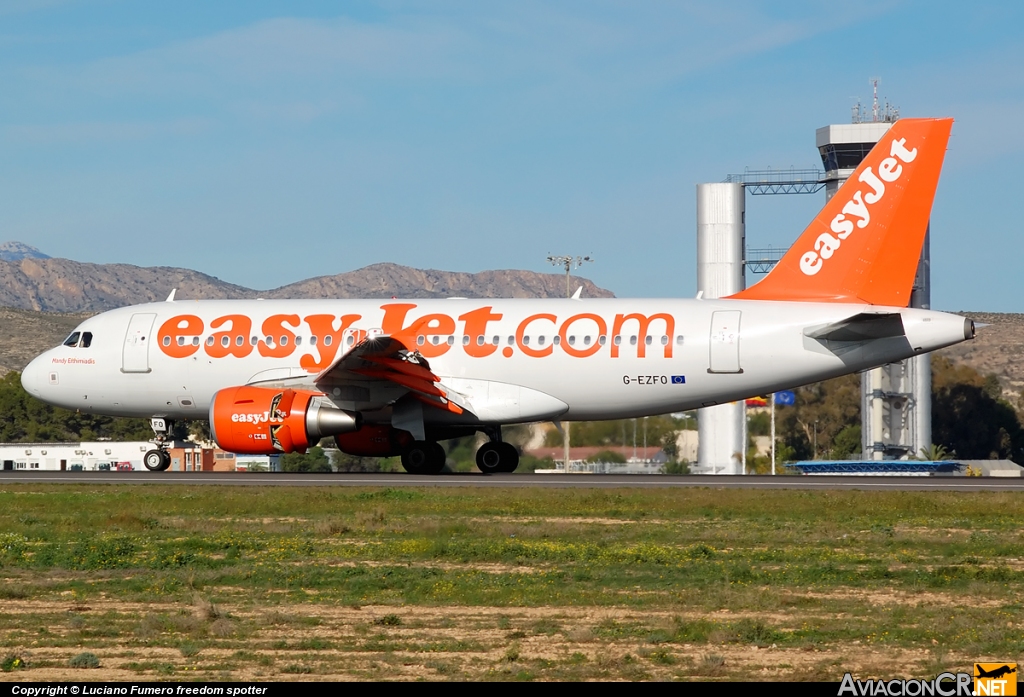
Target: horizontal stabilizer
{"points": [[866, 326]]}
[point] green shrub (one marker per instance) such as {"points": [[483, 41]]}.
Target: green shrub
{"points": [[12, 663], [85, 660]]}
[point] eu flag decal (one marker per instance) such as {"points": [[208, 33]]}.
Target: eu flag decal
{"points": [[678, 379]]}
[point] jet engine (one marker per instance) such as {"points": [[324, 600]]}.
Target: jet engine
{"points": [[374, 440], [264, 421]]}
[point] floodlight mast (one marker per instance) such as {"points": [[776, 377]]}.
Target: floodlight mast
{"points": [[568, 262]]}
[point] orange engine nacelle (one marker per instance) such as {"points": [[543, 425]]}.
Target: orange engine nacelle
{"points": [[264, 420], [374, 441]]}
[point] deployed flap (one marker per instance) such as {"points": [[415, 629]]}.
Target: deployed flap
{"points": [[389, 358]]}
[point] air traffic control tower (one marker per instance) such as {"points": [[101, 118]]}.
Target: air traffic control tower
{"points": [[896, 406]]}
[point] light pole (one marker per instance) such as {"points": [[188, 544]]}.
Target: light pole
{"points": [[569, 263]]}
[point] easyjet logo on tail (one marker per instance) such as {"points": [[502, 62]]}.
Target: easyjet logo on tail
{"points": [[856, 214]]}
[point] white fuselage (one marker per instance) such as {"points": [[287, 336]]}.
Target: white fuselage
{"points": [[602, 365]]}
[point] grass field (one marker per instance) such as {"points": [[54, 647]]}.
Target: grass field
{"points": [[221, 583]]}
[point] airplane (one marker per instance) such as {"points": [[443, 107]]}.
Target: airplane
{"points": [[995, 672], [394, 377]]}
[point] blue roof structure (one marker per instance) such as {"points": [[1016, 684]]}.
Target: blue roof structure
{"points": [[901, 467]]}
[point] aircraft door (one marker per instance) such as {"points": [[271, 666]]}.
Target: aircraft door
{"points": [[725, 342], [135, 357]]}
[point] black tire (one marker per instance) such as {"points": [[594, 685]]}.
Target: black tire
{"points": [[489, 458], [155, 460], [424, 457], [166, 457], [438, 458], [509, 457]]}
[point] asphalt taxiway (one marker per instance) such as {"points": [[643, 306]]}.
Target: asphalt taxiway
{"points": [[476, 479]]}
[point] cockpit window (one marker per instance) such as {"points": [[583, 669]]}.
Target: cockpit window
{"points": [[73, 339], [86, 340]]}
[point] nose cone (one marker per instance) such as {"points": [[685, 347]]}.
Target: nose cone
{"points": [[34, 377]]}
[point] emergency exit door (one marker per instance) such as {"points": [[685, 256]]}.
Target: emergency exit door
{"points": [[725, 342], [135, 357]]}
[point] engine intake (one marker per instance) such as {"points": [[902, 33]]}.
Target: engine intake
{"points": [[264, 421]]}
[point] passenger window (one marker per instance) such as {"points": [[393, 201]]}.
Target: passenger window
{"points": [[312, 340], [284, 340], [86, 340], [166, 341], [495, 339], [327, 340], [420, 340], [209, 340], [480, 340], [526, 341], [540, 340], [648, 340], [465, 339], [239, 340], [664, 340], [632, 341], [73, 339], [617, 340], [451, 340], [556, 340], [298, 341], [225, 342], [602, 339], [254, 340], [679, 340], [586, 340]]}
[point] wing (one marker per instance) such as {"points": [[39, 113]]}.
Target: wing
{"points": [[393, 360]]}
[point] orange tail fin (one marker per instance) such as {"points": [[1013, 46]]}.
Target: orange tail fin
{"points": [[865, 243]]}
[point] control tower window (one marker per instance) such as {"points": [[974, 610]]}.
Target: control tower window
{"points": [[843, 155], [73, 339]]}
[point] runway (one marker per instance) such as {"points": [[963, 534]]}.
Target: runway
{"points": [[476, 479]]}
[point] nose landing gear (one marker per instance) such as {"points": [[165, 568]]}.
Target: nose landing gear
{"points": [[158, 459]]}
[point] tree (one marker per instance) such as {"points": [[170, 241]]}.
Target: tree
{"points": [[314, 460], [847, 443], [969, 417], [606, 456]]}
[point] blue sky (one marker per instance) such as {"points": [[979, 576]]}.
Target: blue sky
{"points": [[268, 142]]}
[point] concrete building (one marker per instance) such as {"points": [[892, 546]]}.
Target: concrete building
{"points": [[91, 456]]}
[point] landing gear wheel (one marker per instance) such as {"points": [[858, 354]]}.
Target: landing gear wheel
{"points": [[156, 460], [493, 458], [509, 457], [423, 457]]}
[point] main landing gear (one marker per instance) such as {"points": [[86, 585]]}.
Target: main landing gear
{"points": [[493, 457], [158, 459], [423, 457]]}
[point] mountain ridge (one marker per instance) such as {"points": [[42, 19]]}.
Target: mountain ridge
{"points": [[63, 285]]}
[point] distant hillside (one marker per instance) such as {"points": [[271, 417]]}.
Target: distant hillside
{"points": [[61, 285], [998, 348], [16, 251]]}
